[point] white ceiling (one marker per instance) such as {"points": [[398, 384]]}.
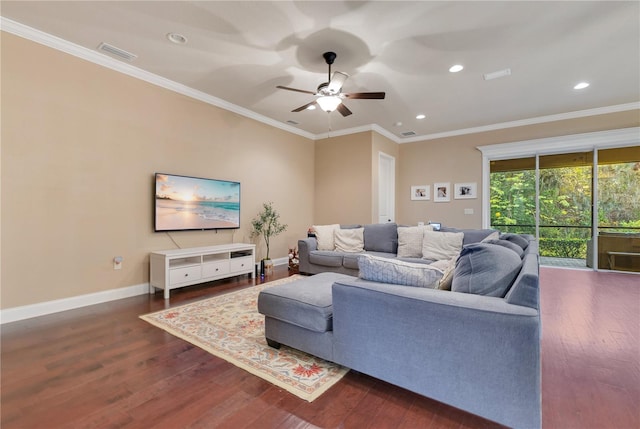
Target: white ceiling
{"points": [[239, 51]]}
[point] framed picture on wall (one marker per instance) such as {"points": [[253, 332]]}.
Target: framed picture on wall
{"points": [[420, 192], [442, 192], [463, 191]]}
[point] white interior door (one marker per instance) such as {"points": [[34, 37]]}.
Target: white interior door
{"points": [[386, 188]]}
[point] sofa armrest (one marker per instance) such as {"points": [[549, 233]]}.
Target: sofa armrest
{"points": [[477, 353], [305, 246]]}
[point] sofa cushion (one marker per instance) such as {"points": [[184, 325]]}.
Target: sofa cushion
{"points": [[410, 240], [509, 245], [393, 271], [441, 245], [485, 269], [325, 258], [306, 303], [470, 235], [350, 260], [349, 240], [381, 237], [525, 290], [516, 238]]}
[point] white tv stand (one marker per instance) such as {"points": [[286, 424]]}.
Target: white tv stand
{"points": [[171, 269]]}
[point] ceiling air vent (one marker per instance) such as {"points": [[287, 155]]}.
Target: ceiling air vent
{"points": [[116, 52], [408, 134], [497, 74]]}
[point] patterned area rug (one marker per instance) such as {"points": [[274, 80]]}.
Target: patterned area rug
{"points": [[230, 327]]}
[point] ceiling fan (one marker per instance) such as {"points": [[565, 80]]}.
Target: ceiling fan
{"points": [[329, 97]]}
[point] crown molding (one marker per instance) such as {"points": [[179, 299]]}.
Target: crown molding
{"points": [[531, 121], [347, 131], [95, 57]]}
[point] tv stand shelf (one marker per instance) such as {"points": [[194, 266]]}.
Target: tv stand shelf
{"points": [[171, 269]]}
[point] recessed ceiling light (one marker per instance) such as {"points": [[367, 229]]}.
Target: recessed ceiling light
{"points": [[581, 85], [421, 116], [456, 68], [398, 124], [177, 38]]}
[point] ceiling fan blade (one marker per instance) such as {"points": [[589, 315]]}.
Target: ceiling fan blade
{"points": [[296, 90], [306, 106], [337, 80], [365, 95], [344, 110]]}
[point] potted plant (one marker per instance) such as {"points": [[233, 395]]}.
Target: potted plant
{"points": [[267, 224]]}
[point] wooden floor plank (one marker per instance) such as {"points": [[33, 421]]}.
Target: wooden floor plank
{"points": [[102, 366]]}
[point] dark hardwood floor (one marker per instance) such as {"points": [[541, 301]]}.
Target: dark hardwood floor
{"points": [[102, 367]]}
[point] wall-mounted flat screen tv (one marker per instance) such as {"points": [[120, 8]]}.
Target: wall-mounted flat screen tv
{"points": [[193, 203]]}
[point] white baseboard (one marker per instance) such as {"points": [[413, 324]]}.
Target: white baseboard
{"points": [[43, 308], [281, 261]]}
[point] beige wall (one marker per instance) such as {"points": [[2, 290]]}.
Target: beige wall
{"points": [[456, 160], [347, 177], [343, 179], [80, 144]]}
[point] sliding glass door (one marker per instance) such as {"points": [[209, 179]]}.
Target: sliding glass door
{"points": [[565, 207], [619, 209], [553, 198]]}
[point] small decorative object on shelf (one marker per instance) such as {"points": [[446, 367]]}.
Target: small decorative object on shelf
{"points": [[294, 262]]}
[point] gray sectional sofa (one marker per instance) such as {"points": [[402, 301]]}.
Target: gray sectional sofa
{"points": [[379, 240], [471, 347]]}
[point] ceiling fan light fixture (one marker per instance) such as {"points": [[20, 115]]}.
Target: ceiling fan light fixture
{"points": [[329, 103]]}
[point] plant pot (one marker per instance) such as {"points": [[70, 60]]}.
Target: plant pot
{"points": [[268, 267]]}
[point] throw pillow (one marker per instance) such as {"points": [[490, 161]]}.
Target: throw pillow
{"points": [[325, 236], [509, 245], [349, 240], [485, 269], [447, 276], [381, 237], [447, 268], [441, 245], [385, 270], [410, 240], [493, 236], [517, 239]]}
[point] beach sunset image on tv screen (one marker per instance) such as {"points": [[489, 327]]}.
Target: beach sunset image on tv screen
{"points": [[192, 203]]}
